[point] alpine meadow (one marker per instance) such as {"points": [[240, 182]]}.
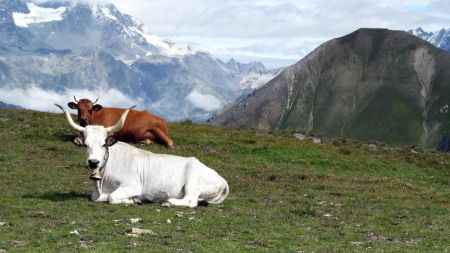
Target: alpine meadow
{"points": [[286, 195]]}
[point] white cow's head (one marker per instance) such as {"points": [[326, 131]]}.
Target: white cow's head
{"points": [[96, 139]]}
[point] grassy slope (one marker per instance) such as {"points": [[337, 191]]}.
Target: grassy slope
{"points": [[286, 195]]}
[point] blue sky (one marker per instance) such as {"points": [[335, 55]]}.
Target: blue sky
{"points": [[278, 32]]}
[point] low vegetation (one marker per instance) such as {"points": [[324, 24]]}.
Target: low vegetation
{"points": [[287, 195]]}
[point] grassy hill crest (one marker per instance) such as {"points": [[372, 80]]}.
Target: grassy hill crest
{"points": [[286, 195]]}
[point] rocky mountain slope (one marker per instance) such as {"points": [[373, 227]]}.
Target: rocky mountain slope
{"points": [[373, 84], [78, 47]]}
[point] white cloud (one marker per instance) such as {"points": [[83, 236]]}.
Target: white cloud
{"points": [[42, 100], [213, 23], [204, 101], [277, 31]]}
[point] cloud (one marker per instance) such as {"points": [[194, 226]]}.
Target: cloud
{"points": [[204, 101], [291, 28], [42, 100], [291, 23]]}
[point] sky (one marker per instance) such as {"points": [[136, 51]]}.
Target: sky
{"points": [[277, 32]]}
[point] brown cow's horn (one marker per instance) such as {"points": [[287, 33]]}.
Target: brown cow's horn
{"points": [[95, 101], [120, 123], [74, 98], [70, 120]]}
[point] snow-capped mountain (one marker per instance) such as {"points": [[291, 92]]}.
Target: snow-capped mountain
{"points": [[62, 47], [252, 74], [440, 38], [79, 26]]}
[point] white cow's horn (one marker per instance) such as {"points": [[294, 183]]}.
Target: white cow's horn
{"points": [[70, 120], [120, 123]]}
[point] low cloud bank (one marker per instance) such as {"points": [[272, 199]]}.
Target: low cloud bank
{"points": [[43, 100], [204, 101]]}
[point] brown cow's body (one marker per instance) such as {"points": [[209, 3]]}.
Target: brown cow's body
{"points": [[140, 126]]}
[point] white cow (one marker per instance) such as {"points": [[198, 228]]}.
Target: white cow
{"points": [[131, 175]]}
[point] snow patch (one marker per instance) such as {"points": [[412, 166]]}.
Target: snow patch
{"points": [[204, 101], [107, 13], [38, 15], [168, 47], [253, 80]]}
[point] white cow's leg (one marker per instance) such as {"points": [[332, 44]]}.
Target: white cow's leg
{"points": [[190, 198], [96, 195], [123, 195], [190, 201]]}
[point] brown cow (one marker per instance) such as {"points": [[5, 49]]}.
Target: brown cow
{"points": [[140, 126]]}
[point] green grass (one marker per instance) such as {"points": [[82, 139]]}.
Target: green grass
{"points": [[286, 195]]}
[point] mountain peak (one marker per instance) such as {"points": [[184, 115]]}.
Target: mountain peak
{"points": [[353, 87], [439, 38], [79, 25], [253, 66]]}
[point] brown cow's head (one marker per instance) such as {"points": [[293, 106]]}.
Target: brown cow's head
{"points": [[85, 108]]}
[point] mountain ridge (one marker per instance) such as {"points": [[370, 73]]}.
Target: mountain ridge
{"points": [[372, 84], [440, 39], [89, 47]]}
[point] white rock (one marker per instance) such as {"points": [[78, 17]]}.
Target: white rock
{"points": [[75, 232], [140, 231], [300, 136], [135, 220]]}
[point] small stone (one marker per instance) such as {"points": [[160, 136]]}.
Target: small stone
{"points": [[327, 215], [135, 220], [158, 210], [131, 235], [135, 232], [18, 243], [4, 224], [300, 136], [317, 140], [179, 214], [75, 232], [169, 221]]}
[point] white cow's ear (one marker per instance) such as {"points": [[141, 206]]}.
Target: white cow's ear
{"points": [[110, 141], [78, 140]]}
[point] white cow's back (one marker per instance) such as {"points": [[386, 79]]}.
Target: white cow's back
{"points": [[158, 175]]}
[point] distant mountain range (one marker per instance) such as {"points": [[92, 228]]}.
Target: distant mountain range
{"points": [[9, 106], [440, 38], [373, 84], [65, 46]]}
